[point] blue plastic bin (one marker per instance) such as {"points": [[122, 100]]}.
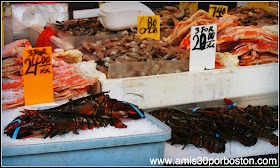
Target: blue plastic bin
{"points": [[133, 150]]}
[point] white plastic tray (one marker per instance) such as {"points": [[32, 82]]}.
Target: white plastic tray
{"points": [[183, 88]]}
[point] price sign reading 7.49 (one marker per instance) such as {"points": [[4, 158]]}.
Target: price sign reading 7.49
{"points": [[38, 75], [217, 10], [149, 26]]}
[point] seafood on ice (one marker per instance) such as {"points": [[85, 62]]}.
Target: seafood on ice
{"points": [[94, 111], [210, 127]]}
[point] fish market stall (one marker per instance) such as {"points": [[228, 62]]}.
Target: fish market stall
{"points": [[89, 91]]}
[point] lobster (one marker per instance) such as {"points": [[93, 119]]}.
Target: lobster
{"points": [[98, 105], [93, 111], [198, 138], [50, 124], [266, 115], [235, 113], [234, 130], [190, 129]]}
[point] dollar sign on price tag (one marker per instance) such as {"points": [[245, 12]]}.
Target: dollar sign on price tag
{"points": [[149, 26], [203, 48], [217, 10], [38, 75]]}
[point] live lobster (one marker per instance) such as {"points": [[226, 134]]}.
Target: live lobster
{"points": [[190, 129], [239, 114], [88, 112]]}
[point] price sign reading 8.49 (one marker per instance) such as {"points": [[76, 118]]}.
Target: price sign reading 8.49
{"points": [[203, 47], [38, 75], [149, 26], [218, 10]]}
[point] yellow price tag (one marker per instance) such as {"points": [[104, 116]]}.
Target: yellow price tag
{"points": [[38, 75], [191, 5], [149, 26], [263, 5], [217, 10]]}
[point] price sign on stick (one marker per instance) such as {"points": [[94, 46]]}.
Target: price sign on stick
{"points": [[149, 26], [217, 10], [203, 47], [38, 75]]}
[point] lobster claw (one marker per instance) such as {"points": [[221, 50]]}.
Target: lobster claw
{"points": [[127, 111], [12, 125], [208, 110], [18, 121], [24, 132], [229, 103]]}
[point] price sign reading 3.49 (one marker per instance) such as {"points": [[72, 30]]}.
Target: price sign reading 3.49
{"points": [[38, 75], [218, 10], [149, 26]]}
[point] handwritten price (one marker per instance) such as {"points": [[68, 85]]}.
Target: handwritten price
{"points": [[42, 60], [151, 26], [218, 10]]}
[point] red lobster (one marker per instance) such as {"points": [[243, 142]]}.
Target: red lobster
{"points": [[235, 113], [83, 113], [98, 105], [190, 129], [50, 124]]}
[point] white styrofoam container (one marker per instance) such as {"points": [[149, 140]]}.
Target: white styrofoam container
{"points": [[189, 87]]}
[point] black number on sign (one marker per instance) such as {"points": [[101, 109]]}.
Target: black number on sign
{"points": [[200, 42], [221, 11], [42, 60], [151, 26]]}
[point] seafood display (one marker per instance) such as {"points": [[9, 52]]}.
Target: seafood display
{"points": [[210, 127], [69, 56], [83, 27], [170, 15], [130, 49], [182, 30], [68, 79], [250, 16], [252, 45], [94, 111]]}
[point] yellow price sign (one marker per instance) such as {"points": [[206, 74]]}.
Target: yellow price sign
{"points": [[149, 26], [38, 75], [217, 10], [263, 5], [191, 5]]}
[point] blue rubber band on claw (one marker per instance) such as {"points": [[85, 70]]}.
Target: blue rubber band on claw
{"points": [[233, 104], [15, 133], [18, 120], [228, 106], [194, 110], [137, 110]]}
